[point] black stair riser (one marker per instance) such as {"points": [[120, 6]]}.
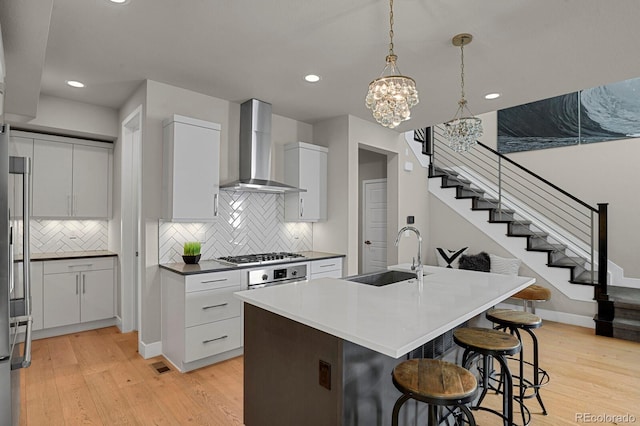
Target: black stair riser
{"points": [[626, 334], [632, 314]]}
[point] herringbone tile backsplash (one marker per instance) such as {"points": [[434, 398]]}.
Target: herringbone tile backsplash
{"points": [[56, 236], [248, 222]]}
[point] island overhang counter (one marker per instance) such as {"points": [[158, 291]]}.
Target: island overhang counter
{"points": [[321, 352]]}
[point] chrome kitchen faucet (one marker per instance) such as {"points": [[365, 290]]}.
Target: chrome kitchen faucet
{"points": [[417, 268]]}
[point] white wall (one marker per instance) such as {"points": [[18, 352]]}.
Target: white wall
{"points": [[406, 194], [57, 115]]}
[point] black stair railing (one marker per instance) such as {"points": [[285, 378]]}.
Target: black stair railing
{"points": [[539, 204]]}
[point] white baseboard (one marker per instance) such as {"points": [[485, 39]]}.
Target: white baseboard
{"points": [[149, 350], [563, 317]]}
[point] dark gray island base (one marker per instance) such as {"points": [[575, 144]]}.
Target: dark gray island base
{"points": [[282, 377]]}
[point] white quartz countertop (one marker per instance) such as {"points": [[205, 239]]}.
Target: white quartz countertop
{"points": [[393, 319]]}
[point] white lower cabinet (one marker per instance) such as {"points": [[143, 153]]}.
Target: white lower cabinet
{"points": [[77, 291], [326, 268], [201, 318]]}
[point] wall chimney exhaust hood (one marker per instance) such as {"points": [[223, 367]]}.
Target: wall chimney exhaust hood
{"points": [[255, 151]]}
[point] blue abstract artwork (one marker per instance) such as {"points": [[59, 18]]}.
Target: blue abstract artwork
{"points": [[599, 114]]}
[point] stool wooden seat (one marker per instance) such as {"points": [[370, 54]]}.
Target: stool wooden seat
{"points": [[436, 382], [530, 295], [511, 317], [516, 321], [490, 344]]}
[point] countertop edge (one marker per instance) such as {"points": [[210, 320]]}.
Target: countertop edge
{"points": [[67, 255], [178, 268]]}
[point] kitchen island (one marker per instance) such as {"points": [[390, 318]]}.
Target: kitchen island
{"points": [[321, 352]]}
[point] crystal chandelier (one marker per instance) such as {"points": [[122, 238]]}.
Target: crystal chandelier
{"points": [[462, 131], [392, 95]]}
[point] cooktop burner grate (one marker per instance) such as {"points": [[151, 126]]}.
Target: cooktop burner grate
{"points": [[260, 258]]}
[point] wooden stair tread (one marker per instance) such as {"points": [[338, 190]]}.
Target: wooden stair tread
{"points": [[486, 339], [513, 317], [434, 378]]}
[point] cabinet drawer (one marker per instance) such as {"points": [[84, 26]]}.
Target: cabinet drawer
{"points": [[327, 274], [211, 305], [77, 265], [325, 265], [199, 282], [211, 339]]}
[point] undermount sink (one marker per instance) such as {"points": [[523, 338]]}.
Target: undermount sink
{"points": [[382, 278]]}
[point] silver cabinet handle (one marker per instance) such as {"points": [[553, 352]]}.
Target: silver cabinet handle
{"points": [[301, 207], [204, 308], [216, 339], [84, 283], [215, 204], [88, 265], [326, 266], [214, 281], [77, 281]]}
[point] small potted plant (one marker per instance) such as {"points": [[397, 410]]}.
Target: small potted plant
{"points": [[191, 252]]}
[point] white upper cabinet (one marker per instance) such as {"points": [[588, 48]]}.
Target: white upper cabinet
{"points": [[71, 178], [305, 166], [90, 181], [190, 179]]}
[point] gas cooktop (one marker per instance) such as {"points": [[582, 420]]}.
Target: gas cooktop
{"points": [[260, 258]]}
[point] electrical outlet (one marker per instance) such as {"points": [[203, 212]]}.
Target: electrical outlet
{"points": [[324, 374]]}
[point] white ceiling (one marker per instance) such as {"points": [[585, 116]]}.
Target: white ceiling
{"points": [[239, 49]]}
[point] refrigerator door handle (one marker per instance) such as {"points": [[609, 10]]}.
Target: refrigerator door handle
{"points": [[25, 360], [26, 237]]}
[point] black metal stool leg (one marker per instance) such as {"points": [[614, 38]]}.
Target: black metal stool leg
{"points": [[467, 413], [396, 408], [536, 378]]}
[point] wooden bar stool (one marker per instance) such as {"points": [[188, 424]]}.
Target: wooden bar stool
{"points": [[516, 321], [532, 294], [489, 344], [438, 383]]}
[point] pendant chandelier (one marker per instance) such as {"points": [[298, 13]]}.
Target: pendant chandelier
{"points": [[392, 95], [462, 131]]}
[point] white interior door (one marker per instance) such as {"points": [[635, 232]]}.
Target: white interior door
{"points": [[374, 222]]}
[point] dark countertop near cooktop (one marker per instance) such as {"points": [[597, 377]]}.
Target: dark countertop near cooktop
{"points": [[214, 266], [68, 255]]}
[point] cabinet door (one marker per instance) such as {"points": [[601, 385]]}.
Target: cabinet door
{"points": [[310, 180], [62, 300], [195, 168], [52, 178], [90, 182], [96, 295], [18, 147], [306, 168]]}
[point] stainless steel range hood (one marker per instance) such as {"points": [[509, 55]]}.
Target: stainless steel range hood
{"points": [[255, 151]]}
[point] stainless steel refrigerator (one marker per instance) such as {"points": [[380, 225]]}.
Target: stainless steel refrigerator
{"points": [[15, 296]]}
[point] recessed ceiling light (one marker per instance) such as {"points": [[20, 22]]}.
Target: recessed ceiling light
{"points": [[74, 83], [312, 78], [119, 1], [492, 96]]}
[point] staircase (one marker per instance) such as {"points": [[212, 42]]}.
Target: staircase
{"points": [[558, 255], [572, 233], [626, 321]]}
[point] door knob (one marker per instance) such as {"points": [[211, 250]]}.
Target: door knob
{"points": [[367, 242]]}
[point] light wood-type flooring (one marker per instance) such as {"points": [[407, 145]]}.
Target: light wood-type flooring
{"points": [[98, 378]]}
